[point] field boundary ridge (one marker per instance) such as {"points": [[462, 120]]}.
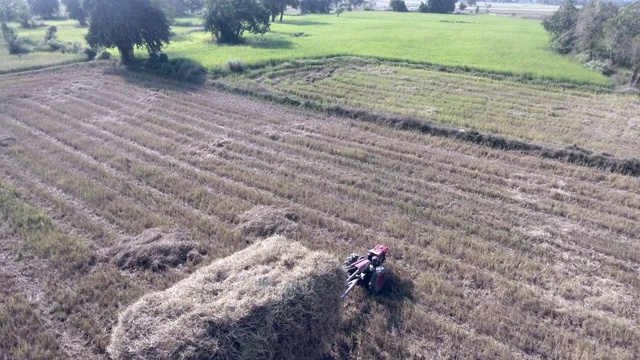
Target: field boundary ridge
{"points": [[571, 154]]}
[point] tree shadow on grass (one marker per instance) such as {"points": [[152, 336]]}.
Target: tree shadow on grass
{"points": [[180, 75], [269, 43], [303, 22]]}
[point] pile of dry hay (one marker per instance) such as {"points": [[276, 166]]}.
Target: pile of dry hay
{"points": [[155, 249], [272, 300], [263, 221]]}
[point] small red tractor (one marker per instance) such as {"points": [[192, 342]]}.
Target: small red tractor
{"points": [[368, 272]]}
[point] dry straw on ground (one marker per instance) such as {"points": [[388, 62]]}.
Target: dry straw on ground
{"points": [[272, 300], [155, 249], [263, 221]]}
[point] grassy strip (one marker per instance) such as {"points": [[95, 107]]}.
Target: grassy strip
{"points": [[41, 66], [23, 334], [572, 154], [261, 68], [42, 237]]}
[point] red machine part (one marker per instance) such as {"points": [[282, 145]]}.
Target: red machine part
{"points": [[368, 272]]}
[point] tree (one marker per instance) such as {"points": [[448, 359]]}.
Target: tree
{"points": [[589, 25], [561, 26], [15, 10], [442, 6], [398, 5], [126, 24], [423, 8], [623, 39], [182, 7], [340, 9], [463, 5], [76, 11], [277, 7], [227, 20], [47, 9], [316, 6]]}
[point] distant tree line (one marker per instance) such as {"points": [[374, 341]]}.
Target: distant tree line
{"points": [[602, 34], [431, 6]]}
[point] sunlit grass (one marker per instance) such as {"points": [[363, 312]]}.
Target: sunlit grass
{"points": [[490, 43], [496, 44]]}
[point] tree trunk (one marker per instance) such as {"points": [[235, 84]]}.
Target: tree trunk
{"points": [[126, 53], [281, 12], [635, 79]]}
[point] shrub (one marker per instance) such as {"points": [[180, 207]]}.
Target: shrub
{"points": [[398, 5], [91, 53], [599, 66], [17, 45], [104, 55], [423, 8], [236, 66], [52, 33], [178, 69]]}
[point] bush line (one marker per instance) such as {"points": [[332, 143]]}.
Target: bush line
{"points": [[490, 74], [571, 154]]}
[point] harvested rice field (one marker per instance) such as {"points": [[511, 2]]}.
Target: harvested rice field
{"points": [[541, 112], [494, 254]]}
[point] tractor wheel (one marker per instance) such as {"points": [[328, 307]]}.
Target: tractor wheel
{"points": [[351, 259], [378, 279]]}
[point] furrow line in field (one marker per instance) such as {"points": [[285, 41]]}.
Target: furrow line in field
{"points": [[145, 196], [103, 158], [197, 170], [73, 216]]}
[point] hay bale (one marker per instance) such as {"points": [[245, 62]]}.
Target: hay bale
{"points": [[155, 249], [263, 221], [272, 300]]}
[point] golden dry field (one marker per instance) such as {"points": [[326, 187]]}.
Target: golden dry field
{"points": [[494, 254]]}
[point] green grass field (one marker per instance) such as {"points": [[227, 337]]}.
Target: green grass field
{"points": [[490, 43], [68, 31], [495, 44]]}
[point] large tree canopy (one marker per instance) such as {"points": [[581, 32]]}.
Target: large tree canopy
{"points": [[9, 9], [600, 32], [561, 25], [76, 11], [316, 6], [442, 6], [227, 20], [623, 39], [277, 7], [126, 24], [15, 10], [44, 8], [590, 24]]}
